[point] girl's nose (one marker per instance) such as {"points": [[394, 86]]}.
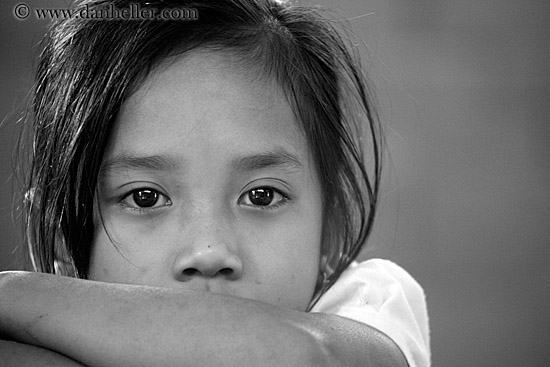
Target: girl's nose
{"points": [[208, 259]]}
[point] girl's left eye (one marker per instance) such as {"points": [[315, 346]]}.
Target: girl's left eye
{"points": [[262, 197], [146, 198]]}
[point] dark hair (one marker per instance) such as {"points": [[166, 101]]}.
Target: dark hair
{"points": [[88, 67]]}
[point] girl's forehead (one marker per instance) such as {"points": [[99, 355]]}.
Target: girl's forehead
{"points": [[214, 71], [209, 99]]}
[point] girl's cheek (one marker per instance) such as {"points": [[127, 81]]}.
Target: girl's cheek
{"points": [[123, 253], [123, 225], [123, 246]]}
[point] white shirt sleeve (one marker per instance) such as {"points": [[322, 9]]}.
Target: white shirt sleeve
{"points": [[381, 294]]}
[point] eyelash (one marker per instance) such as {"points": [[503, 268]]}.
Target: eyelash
{"points": [[147, 210], [284, 199]]}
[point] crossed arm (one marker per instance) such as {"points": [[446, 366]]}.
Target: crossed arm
{"points": [[101, 324]]}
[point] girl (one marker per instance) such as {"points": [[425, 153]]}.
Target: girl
{"points": [[204, 185]]}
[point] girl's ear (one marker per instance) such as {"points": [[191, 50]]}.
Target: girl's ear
{"points": [[322, 279], [64, 268], [63, 262]]}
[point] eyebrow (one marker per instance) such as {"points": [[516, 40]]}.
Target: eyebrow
{"points": [[149, 163], [276, 159]]}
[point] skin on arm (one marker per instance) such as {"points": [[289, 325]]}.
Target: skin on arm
{"points": [[125, 325], [25, 355]]}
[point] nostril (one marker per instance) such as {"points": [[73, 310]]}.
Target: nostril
{"points": [[226, 271], [190, 271]]}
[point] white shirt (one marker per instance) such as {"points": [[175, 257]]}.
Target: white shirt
{"points": [[381, 294]]}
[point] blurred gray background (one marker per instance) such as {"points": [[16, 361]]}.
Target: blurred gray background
{"points": [[464, 89]]}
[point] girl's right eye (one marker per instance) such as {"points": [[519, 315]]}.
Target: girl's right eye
{"points": [[146, 198]]}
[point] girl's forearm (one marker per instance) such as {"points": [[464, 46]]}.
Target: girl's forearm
{"points": [[23, 355], [111, 324], [123, 325]]}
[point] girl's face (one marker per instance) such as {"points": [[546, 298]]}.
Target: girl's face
{"points": [[208, 184]]}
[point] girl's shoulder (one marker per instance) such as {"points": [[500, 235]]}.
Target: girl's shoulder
{"points": [[383, 295]]}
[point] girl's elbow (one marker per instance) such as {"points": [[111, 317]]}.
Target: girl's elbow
{"points": [[381, 352], [349, 343]]}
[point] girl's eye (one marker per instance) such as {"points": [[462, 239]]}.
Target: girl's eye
{"points": [[146, 198], [262, 197]]}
